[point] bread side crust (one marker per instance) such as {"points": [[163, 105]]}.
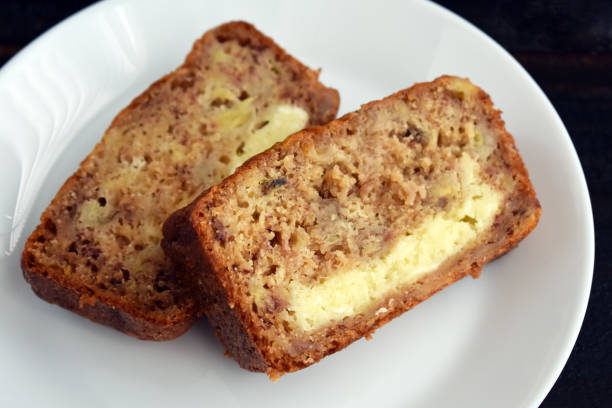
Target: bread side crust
{"points": [[103, 309], [182, 244], [214, 279], [99, 312]]}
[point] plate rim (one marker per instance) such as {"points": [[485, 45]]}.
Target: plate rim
{"points": [[589, 260]]}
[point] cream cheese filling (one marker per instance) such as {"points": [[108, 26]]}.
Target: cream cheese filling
{"points": [[280, 122], [420, 252]]}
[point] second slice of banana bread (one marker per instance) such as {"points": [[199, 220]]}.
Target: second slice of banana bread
{"points": [[96, 250]]}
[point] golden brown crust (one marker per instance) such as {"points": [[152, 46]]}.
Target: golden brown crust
{"points": [[324, 101], [215, 276], [182, 245], [100, 312], [51, 284]]}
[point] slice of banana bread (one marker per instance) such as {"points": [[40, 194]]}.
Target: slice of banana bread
{"points": [[96, 251], [340, 228]]}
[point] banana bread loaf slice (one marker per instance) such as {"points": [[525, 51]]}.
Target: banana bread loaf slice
{"points": [[96, 251], [340, 228]]}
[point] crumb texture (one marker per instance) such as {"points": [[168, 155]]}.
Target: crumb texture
{"points": [[235, 96], [340, 228], [420, 250]]}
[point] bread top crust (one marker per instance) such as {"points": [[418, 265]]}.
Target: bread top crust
{"points": [[95, 237], [212, 213]]}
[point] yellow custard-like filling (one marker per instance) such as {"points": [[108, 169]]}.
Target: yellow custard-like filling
{"points": [[436, 239], [280, 122]]}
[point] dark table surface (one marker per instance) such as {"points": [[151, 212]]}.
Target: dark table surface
{"points": [[567, 47]]}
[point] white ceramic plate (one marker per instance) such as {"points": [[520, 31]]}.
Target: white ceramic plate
{"points": [[500, 341]]}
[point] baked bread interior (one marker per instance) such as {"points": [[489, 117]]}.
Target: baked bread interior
{"points": [[96, 250], [330, 234]]}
